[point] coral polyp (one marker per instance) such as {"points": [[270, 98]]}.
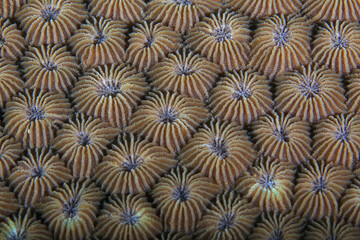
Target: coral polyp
{"points": [[82, 143], [263, 8], [149, 43], [12, 43], [219, 150], [222, 38], [181, 15], [229, 217], [337, 140], [280, 43], [281, 136], [50, 21], [110, 92], [99, 42], [37, 174], [32, 116], [318, 189], [128, 11], [24, 225], [128, 217], [168, 119], [328, 10], [50, 68], [268, 184], [337, 45], [186, 73], [70, 211], [311, 93], [241, 97], [133, 165], [181, 197]]}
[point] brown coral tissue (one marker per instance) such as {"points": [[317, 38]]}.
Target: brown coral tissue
{"points": [[24, 225], [222, 38], [128, 217], [281, 136], [181, 15], [337, 45], [277, 226], [280, 43], [50, 68], [229, 217], [241, 97], [331, 228], [8, 8], [12, 43], [337, 140], [82, 143], [318, 189], [99, 42], [345, 10], [70, 211], [186, 73], [50, 21], [149, 43], [311, 93], [173, 236], [221, 151], [32, 117], [128, 11], [168, 119], [10, 151], [133, 165], [350, 203], [181, 197], [8, 202], [353, 92], [269, 184], [262, 8], [110, 92], [36, 175], [10, 81]]}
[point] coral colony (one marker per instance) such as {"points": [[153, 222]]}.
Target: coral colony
{"points": [[179, 119]]}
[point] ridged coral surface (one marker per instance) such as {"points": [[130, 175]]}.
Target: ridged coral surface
{"points": [[179, 119]]}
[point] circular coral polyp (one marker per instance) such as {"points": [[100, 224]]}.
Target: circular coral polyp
{"points": [[222, 38], [50, 21], [168, 119]]}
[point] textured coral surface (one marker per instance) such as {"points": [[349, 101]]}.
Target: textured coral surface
{"points": [[180, 119]]}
